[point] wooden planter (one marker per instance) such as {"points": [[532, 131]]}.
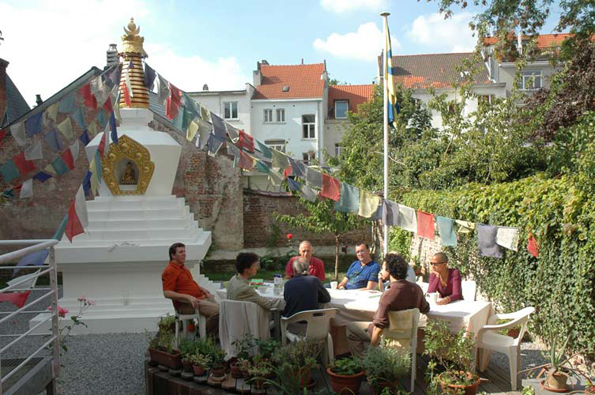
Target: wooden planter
{"points": [[172, 361], [466, 389], [345, 384]]}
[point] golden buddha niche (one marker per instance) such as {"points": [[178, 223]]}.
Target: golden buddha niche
{"points": [[129, 176]]}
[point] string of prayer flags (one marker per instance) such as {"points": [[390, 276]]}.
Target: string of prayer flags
{"points": [[532, 246], [68, 104], [218, 126], [162, 89], [446, 230], [34, 151], [18, 132], [79, 118], [42, 176], [465, 227], [425, 225], [349, 200], [331, 187], [246, 141], [59, 166], [486, 241], [84, 138], [25, 166], [113, 128], [16, 298], [65, 127], [508, 237], [174, 100], [89, 99], [149, 77], [77, 216], [368, 204], [390, 213], [54, 140], [33, 124], [9, 171], [280, 160], [407, 218], [27, 189], [266, 151], [313, 177]]}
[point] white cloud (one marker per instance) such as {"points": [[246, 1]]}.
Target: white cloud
{"points": [[439, 34], [51, 43], [339, 6], [365, 44]]}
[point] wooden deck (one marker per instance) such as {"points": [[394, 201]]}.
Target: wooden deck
{"points": [[494, 381]]}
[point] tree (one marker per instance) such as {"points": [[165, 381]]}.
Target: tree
{"points": [[323, 218]]}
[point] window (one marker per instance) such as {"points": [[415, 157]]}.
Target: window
{"points": [[230, 110], [308, 157], [341, 107], [281, 115], [278, 144], [308, 126], [487, 99], [337, 149], [531, 80], [268, 115]]}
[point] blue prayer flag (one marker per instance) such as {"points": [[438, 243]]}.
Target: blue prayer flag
{"points": [[54, 140], [113, 127], [42, 176], [33, 124], [84, 137], [87, 183]]}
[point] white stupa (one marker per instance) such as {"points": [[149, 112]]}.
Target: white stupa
{"points": [[119, 260]]}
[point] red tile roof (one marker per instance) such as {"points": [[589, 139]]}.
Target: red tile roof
{"points": [[355, 94], [304, 82], [432, 70], [543, 41]]}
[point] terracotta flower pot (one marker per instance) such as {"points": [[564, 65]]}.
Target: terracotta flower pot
{"points": [[345, 384], [187, 366], [305, 376], [514, 332], [218, 371], [258, 384], [556, 382], [198, 370], [236, 372], [467, 389], [381, 385], [172, 361]]}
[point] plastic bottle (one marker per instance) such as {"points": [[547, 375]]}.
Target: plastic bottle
{"points": [[278, 284]]}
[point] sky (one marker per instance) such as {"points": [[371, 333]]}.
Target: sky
{"points": [[191, 43]]}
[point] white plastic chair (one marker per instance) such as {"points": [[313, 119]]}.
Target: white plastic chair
{"points": [[403, 326], [318, 328], [468, 287], [184, 318], [489, 340]]}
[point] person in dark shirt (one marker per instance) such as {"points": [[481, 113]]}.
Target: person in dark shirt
{"points": [[303, 292], [401, 295]]}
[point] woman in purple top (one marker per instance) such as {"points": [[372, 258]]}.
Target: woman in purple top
{"points": [[445, 281]]}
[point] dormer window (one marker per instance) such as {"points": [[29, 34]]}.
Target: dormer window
{"points": [[341, 107], [531, 80]]}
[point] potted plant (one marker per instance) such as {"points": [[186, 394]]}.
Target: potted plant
{"points": [[167, 323], [451, 353], [187, 348], [346, 375], [267, 347], [217, 362], [244, 347], [260, 370], [384, 366], [199, 363], [292, 366], [162, 351]]}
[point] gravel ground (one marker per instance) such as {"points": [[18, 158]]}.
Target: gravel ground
{"points": [[112, 364]]}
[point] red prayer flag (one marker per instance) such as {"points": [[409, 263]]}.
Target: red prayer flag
{"points": [[16, 298], [73, 225], [246, 162], [331, 188], [24, 165], [90, 100], [532, 246], [425, 225], [101, 146], [68, 159], [287, 172], [107, 106], [127, 95], [2, 135], [246, 141], [173, 102]]}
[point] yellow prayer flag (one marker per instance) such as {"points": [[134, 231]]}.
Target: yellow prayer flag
{"points": [[192, 130], [368, 204]]}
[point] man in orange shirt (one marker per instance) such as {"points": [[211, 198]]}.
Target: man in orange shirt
{"points": [[187, 296]]}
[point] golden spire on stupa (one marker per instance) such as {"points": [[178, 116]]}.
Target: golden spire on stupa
{"points": [[133, 51]]}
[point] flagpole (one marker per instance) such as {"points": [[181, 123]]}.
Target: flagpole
{"points": [[385, 101]]}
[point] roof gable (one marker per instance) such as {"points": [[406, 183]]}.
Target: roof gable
{"points": [[304, 82], [354, 94], [16, 105]]}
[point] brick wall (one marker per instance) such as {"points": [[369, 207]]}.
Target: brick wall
{"points": [[259, 221]]}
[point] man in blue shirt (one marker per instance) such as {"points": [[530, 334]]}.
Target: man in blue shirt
{"points": [[362, 274]]}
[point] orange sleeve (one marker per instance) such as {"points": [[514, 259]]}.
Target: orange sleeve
{"points": [[168, 279]]}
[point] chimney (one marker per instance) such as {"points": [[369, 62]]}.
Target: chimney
{"points": [[256, 74], [3, 66], [302, 60], [38, 100], [112, 55], [205, 87]]}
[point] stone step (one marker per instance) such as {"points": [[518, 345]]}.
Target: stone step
{"points": [[141, 223], [131, 235], [130, 202], [169, 213]]}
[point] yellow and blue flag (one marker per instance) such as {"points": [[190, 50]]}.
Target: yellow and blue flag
{"points": [[389, 75]]}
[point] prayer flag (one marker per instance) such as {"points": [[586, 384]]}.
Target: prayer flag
{"points": [[90, 100], [232, 132], [508, 237], [205, 113], [42, 176], [407, 218], [298, 168], [84, 137], [532, 246], [246, 141], [36, 258], [92, 129], [107, 106], [149, 77], [262, 167], [87, 183], [65, 127], [49, 169], [266, 151], [79, 118], [308, 193], [162, 89], [204, 129], [389, 76], [61, 228], [18, 132], [275, 178], [52, 111], [74, 149], [390, 213], [425, 225], [102, 144], [3, 134], [246, 162], [53, 140], [349, 201], [101, 119], [95, 168], [368, 204], [331, 187], [34, 151], [173, 102], [9, 171], [465, 227], [67, 104], [294, 185], [280, 160], [214, 144], [25, 166], [16, 298], [313, 177], [68, 159], [59, 166], [99, 90], [128, 85], [192, 130], [27, 189], [33, 124], [113, 128], [77, 216], [446, 229], [486, 241], [219, 126], [187, 118]]}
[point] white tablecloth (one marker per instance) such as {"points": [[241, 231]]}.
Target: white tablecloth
{"points": [[361, 306]]}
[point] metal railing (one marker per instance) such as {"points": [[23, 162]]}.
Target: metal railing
{"points": [[27, 247]]}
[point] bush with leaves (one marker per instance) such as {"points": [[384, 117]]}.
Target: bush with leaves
{"points": [[386, 365]]}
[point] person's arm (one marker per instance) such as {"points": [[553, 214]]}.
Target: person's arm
{"points": [[343, 283], [376, 332], [320, 273], [373, 278], [250, 295], [181, 298], [323, 295], [433, 285], [371, 285], [457, 291], [289, 269]]}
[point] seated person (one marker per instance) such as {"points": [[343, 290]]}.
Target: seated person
{"points": [[411, 277], [401, 295], [315, 267], [238, 287], [445, 281], [362, 274], [179, 286], [303, 292]]}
